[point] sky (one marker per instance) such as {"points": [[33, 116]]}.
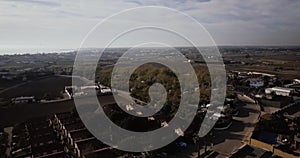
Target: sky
{"points": [[38, 25]]}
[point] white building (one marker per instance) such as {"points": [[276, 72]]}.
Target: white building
{"points": [[279, 91], [20, 100], [296, 81], [106, 91]]}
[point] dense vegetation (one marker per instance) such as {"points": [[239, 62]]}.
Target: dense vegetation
{"points": [[148, 74]]}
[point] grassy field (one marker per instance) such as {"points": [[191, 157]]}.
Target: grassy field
{"points": [[6, 83], [21, 112], [53, 86], [50, 88], [286, 66]]}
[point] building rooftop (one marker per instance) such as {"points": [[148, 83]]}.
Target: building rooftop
{"points": [[283, 89]]}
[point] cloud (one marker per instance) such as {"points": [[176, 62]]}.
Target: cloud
{"points": [[38, 2], [231, 22], [139, 3]]}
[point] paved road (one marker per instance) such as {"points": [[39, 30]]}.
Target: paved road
{"points": [[230, 140]]}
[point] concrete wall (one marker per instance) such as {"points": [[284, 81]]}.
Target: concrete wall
{"points": [[265, 146], [262, 145], [283, 154]]}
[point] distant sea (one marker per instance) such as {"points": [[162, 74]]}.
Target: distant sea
{"points": [[12, 51]]}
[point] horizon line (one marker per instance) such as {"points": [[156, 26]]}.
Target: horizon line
{"points": [[68, 50]]}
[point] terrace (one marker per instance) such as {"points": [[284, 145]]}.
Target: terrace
{"points": [[35, 138], [61, 154], [80, 134], [65, 115], [78, 140], [46, 149], [74, 126], [103, 153], [70, 120], [89, 145]]}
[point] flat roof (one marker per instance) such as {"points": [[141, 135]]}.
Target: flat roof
{"points": [[282, 89]]}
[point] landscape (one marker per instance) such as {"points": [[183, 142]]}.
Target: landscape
{"points": [[260, 117], [149, 79]]}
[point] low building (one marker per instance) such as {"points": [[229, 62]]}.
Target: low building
{"points": [[35, 138], [296, 81], [256, 82], [294, 85], [92, 87], [78, 141], [106, 91], [75, 91], [71, 90], [279, 91], [20, 100], [260, 74], [242, 75]]}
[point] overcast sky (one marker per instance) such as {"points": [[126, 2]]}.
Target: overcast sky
{"points": [[41, 24]]}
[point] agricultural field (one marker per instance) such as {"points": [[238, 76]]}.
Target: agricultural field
{"points": [[46, 88]]}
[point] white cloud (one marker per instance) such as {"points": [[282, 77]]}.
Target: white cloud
{"points": [[63, 24]]}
